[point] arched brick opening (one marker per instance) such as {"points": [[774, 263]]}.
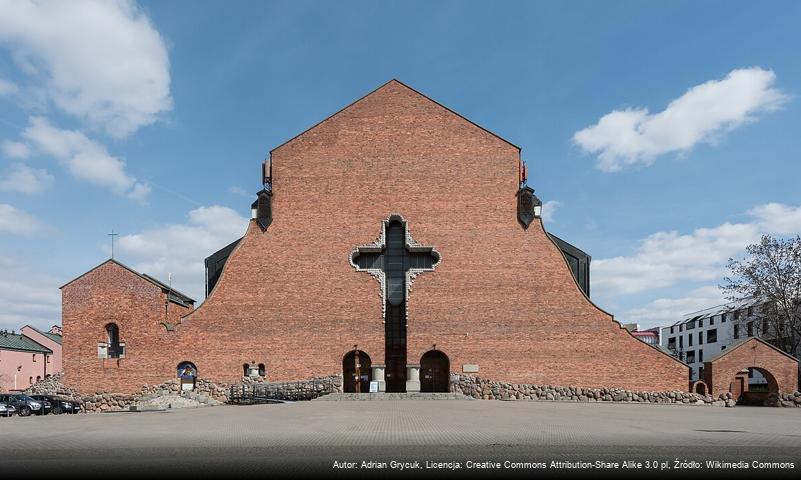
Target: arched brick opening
{"points": [[744, 393], [727, 372], [700, 387], [187, 373], [435, 372], [356, 372]]}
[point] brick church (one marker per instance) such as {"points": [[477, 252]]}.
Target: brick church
{"points": [[394, 242]]}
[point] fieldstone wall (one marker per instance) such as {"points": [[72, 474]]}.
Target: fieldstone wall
{"points": [[484, 389], [788, 400], [252, 390], [205, 393], [169, 394]]}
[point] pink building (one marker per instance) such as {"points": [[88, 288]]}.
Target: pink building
{"points": [[28, 356]]}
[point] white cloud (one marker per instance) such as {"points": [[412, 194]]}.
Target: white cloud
{"points": [[16, 150], [549, 210], [84, 158], [7, 87], [666, 258], [636, 137], [181, 248], [668, 310], [100, 61], [17, 222], [777, 218], [27, 297], [25, 179]]}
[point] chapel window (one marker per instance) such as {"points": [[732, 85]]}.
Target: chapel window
{"points": [[115, 349], [262, 370]]}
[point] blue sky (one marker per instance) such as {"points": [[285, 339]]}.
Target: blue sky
{"points": [[664, 135]]}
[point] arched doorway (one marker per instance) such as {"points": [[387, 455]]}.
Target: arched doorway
{"points": [[699, 387], [434, 372], [187, 373], [754, 386], [356, 372]]}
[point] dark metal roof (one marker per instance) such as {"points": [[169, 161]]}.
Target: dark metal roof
{"points": [[17, 341], [174, 296]]}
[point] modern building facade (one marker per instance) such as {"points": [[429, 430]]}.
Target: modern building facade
{"points": [[702, 335]]}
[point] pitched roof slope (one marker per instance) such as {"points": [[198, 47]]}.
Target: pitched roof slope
{"points": [[175, 294], [388, 85], [17, 341]]}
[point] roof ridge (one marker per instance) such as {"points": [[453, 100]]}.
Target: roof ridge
{"points": [[385, 84]]}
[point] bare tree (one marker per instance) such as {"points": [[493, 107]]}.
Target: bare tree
{"points": [[771, 274]]}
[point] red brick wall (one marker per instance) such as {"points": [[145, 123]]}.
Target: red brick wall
{"points": [[781, 369], [502, 297], [111, 293]]}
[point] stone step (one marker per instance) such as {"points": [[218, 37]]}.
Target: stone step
{"points": [[336, 397]]}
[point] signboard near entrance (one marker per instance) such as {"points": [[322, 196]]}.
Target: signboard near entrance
{"points": [[373, 387]]}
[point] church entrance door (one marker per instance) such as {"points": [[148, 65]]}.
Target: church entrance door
{"points": [[434, 372], [356, 372]]}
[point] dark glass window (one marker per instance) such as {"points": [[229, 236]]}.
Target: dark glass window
{"points": [[736, 332], [712, 335], [700, 338]]}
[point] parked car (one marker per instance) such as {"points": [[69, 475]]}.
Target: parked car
{"points": [[47, 406], [58, 405], [7, 410], [24, 404]]}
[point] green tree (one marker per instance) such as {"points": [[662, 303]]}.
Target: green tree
{"points": [[770, 272]]}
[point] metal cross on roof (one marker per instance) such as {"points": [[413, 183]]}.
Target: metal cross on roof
{"points": [[112, 235]]}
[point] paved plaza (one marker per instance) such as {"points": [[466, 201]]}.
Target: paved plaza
{"points": [[312, 436]]}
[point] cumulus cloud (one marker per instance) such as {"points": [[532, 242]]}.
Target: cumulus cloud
{"points": [[84, 158], [777, 218], [27, 297], [549, 210], [100, 61], [17, 222], [664, 311], [633, 136], [664, 259], [25, 179], [181, 248], [16, 150]]}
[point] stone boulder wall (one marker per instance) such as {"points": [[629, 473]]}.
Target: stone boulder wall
{"points": [[485, 389], [169, 394], [787, 400], [205, 393], [299, 390]]}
